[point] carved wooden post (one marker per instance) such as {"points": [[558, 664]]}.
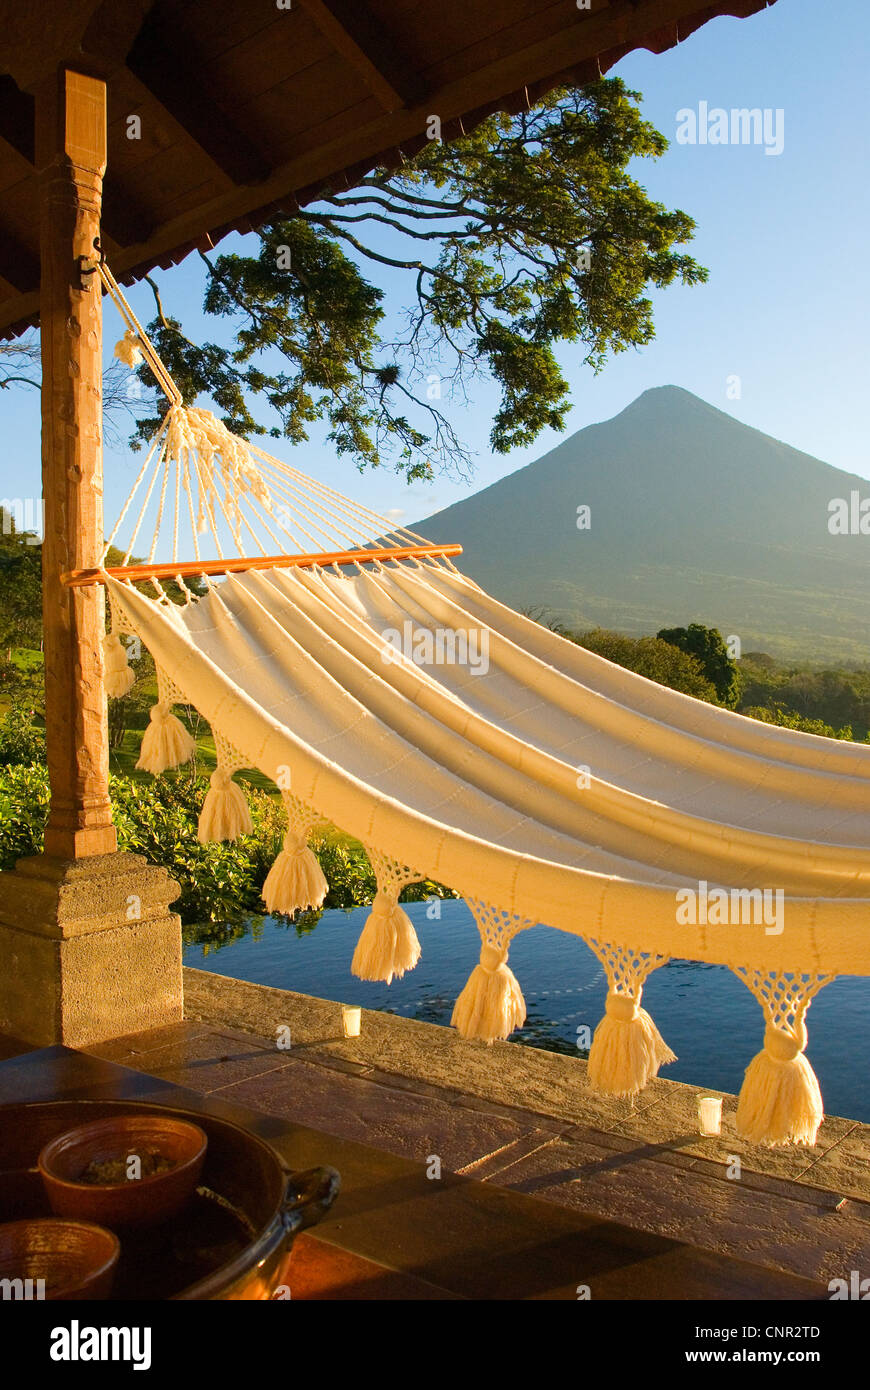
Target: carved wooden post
{"points": [[88, 946], [71, 157]]}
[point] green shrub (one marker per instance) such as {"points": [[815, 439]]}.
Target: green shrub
{"points": [[347, 870], [23, 811], [22, 740], [220, 883]]}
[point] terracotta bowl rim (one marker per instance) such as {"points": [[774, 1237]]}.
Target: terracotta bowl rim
{"points": [[88, 1273], [270, 1235], [110, 1123]]}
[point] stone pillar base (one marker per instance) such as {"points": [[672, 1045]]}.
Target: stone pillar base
{"points": [[88, 949]]}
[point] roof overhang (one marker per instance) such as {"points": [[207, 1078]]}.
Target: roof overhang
{"points": [[249, 111]]}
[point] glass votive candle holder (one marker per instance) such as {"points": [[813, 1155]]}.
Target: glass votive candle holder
{"points": [[710, 1114], [351, 1020]]}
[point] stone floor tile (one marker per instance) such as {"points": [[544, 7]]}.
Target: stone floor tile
{"points": [[206, 1061], [845, 1165], [818, 1197], [689, 1205], [330, 1062], [356, 1108], [673, 1119], [488, 1167], [134, 1044], [395, 1082], [611, 1142], [520, 1114]]}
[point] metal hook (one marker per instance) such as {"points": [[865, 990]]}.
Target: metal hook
{"points": [[86, 267]]}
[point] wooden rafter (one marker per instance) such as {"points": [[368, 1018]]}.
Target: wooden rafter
{"points": [[123, 220], [356, 35], [19, 265], [169, 75], [17, 118]]}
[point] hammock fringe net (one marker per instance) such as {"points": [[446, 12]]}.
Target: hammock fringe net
{"points": [[569, 791]]}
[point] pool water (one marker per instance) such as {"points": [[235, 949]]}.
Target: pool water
{"points": [[707, 1016]]}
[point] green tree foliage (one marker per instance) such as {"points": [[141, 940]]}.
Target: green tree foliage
{"points": [[789, 719], [490, 234], [21, 681], [20, 587], [837, 697], [653, 658], [707, 645], [351, 878]]}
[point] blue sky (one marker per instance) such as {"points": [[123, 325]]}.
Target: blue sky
{"points": [[784, 238]]}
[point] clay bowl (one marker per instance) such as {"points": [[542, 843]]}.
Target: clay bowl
{"points": [[232, 1241], [75, 1258], [130, 1201]]}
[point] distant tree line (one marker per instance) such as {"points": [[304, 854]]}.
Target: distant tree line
{"points": [[833, 702]]}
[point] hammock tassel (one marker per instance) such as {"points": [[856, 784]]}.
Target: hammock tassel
{"points": [[780, 1101], [491, 1006], [119, 676], [165, 743], [627, 1048], [225, 814], [295, 881], [388, 944], [129, 349]]}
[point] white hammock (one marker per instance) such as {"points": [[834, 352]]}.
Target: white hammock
{"points": [[539, 781]]}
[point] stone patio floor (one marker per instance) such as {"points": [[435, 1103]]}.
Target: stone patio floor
{"points": [[522, 1119]]}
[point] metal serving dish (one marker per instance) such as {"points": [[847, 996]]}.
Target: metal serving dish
{"points": [[234, 1239]]}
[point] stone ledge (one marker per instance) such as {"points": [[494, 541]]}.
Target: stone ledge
{"points": [[61, 899], [511, 1078]]}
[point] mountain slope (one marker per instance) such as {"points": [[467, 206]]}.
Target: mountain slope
{"points": [[693, 517]]}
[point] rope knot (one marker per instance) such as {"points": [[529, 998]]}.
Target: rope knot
{"points": [[220, 778], [623, 1007], [161, 711], [294, 843], [491, 957], [385, 900], [129, 349], [782, 1045]]}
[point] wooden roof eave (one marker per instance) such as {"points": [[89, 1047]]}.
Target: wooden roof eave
{"points": [[510, 83]]}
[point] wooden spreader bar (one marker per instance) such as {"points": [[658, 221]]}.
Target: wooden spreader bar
{"points": [[78, 579]]}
